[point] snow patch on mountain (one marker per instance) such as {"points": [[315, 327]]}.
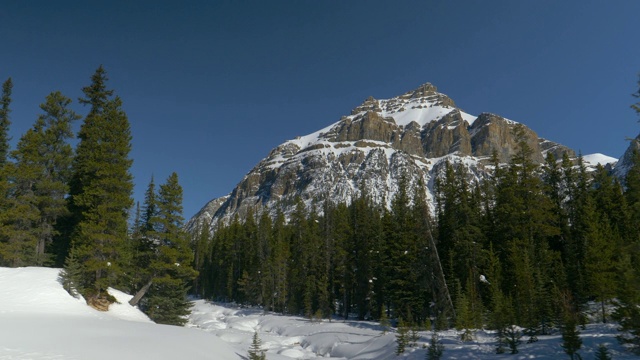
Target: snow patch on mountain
{"points": [[599, 159]]}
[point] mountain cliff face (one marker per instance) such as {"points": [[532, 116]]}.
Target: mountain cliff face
{"points": [[381, 141], [625, 162]]}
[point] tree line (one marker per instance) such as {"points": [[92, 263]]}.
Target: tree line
{"points": [[527, 247], [66, 206]]}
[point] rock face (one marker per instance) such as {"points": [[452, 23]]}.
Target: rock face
{"points": [[625, 162], [381, 141]]}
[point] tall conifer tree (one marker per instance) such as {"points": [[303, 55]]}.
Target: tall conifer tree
{"points": [[39, 179], [100, 188], [173, 265], [5, 122]]}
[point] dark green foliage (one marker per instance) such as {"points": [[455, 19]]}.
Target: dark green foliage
{"points": [[636, 106], [466, 316], [71, 277], [171, 259], [402, 337], [512, 337], [602, 353], [38, 187], [384, 321], [7, 243], [435, 349], [414, 335], [255, 351], [571, 341], [5, 121], [632, 194], [600, 261], [100, 189]]}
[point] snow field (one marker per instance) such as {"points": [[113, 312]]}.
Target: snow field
{"points": [[39, 320]]}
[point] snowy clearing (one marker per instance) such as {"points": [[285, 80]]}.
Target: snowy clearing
{"points": [[39, 320]]}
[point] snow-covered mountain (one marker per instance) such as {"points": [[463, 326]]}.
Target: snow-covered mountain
{"points": [[410, 135]]}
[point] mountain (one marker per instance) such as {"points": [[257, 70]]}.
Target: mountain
{"points": [[410, 135]]}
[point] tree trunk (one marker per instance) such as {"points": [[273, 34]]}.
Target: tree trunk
{"points": [[136, 299]]}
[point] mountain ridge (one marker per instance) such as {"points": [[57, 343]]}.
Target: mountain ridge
{"points": [[381, 141]]}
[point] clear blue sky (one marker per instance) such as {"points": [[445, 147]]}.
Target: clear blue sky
{"points": [[210, 87]]}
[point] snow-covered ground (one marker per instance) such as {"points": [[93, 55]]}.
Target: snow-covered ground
{"points": [[39, 320]]}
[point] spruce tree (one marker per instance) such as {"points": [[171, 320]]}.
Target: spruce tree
{"points": [[403, 248], [627, 312], [464, 316], [71, 277], [39, 178], [384, 321], [600, 261], [636, 106], [144, 242], [7, 244], [172, 266], [602, 353], [513, 336], [435, 349], [255, 351], [100, 189], [571, 341], [402, 337], [5, 121], [632, 194]]}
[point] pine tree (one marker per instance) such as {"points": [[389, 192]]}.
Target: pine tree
{"points": [[632, 194], [636, 106], [571, 341], [7, 244], [602, 353], [580, 213], [403, 248], [39, 175], [71, 277], [600, 262], [513, 336], [172, 265], [384, 321], [145, 240], [280, 255], [255, 351], [5, 121], [464, 316], [435, 349], [100, 189], [202, 260], [627, 312], [402, 337]]}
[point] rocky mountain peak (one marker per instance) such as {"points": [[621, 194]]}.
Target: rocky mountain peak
{"points": [[410, 135], [370, 104], [424, 90]]}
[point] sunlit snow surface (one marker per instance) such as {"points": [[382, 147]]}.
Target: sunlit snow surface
{"points": [[597, 158], [39, 320]]}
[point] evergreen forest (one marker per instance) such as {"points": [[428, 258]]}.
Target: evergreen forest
{"points": [[528, 245], [71, 207]]}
